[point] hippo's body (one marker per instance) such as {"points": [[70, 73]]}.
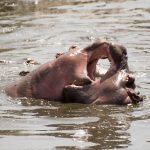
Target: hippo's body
{"points": [[48, 80]]}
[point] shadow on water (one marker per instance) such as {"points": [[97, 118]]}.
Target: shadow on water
{"points": [[41, 28]]}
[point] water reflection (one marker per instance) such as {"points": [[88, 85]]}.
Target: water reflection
{"points": [[103, 127]]}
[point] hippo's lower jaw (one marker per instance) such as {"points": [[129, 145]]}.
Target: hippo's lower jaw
{"points": [[111, 91]]}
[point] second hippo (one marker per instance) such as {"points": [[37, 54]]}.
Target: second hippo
{"points": [[114, 87]]}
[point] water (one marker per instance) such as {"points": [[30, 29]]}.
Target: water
{"points": [[40, 28]]}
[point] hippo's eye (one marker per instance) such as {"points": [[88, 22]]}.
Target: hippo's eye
{"points": [[124, 53], [125, 57]]}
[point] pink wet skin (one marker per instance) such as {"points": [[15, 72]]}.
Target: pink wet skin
{"points": [[74, 67], [116, 86], [110, 91]]}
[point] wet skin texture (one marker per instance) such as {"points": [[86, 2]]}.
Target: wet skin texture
{"points": [[115, 87], [48, 80], [118, 60], [115, 90]]}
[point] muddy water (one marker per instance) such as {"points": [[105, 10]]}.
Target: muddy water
{"points": [[40, 28]]}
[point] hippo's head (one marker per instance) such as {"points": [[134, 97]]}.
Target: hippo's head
{"points": [[118, 56], [97, 50], [118, 59], [124, 79]]}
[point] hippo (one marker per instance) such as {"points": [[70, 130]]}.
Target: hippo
{"points": [[118, 60], [115, 90], [77, 66], [116, 86], [117, 56]]}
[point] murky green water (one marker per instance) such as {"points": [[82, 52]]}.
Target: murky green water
{"points": [[40, 28]]}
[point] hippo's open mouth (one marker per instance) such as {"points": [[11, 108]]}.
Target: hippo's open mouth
{"points": [[91, 68]]}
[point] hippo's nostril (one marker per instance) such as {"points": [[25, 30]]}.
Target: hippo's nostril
{"points": [[138, 93]]}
